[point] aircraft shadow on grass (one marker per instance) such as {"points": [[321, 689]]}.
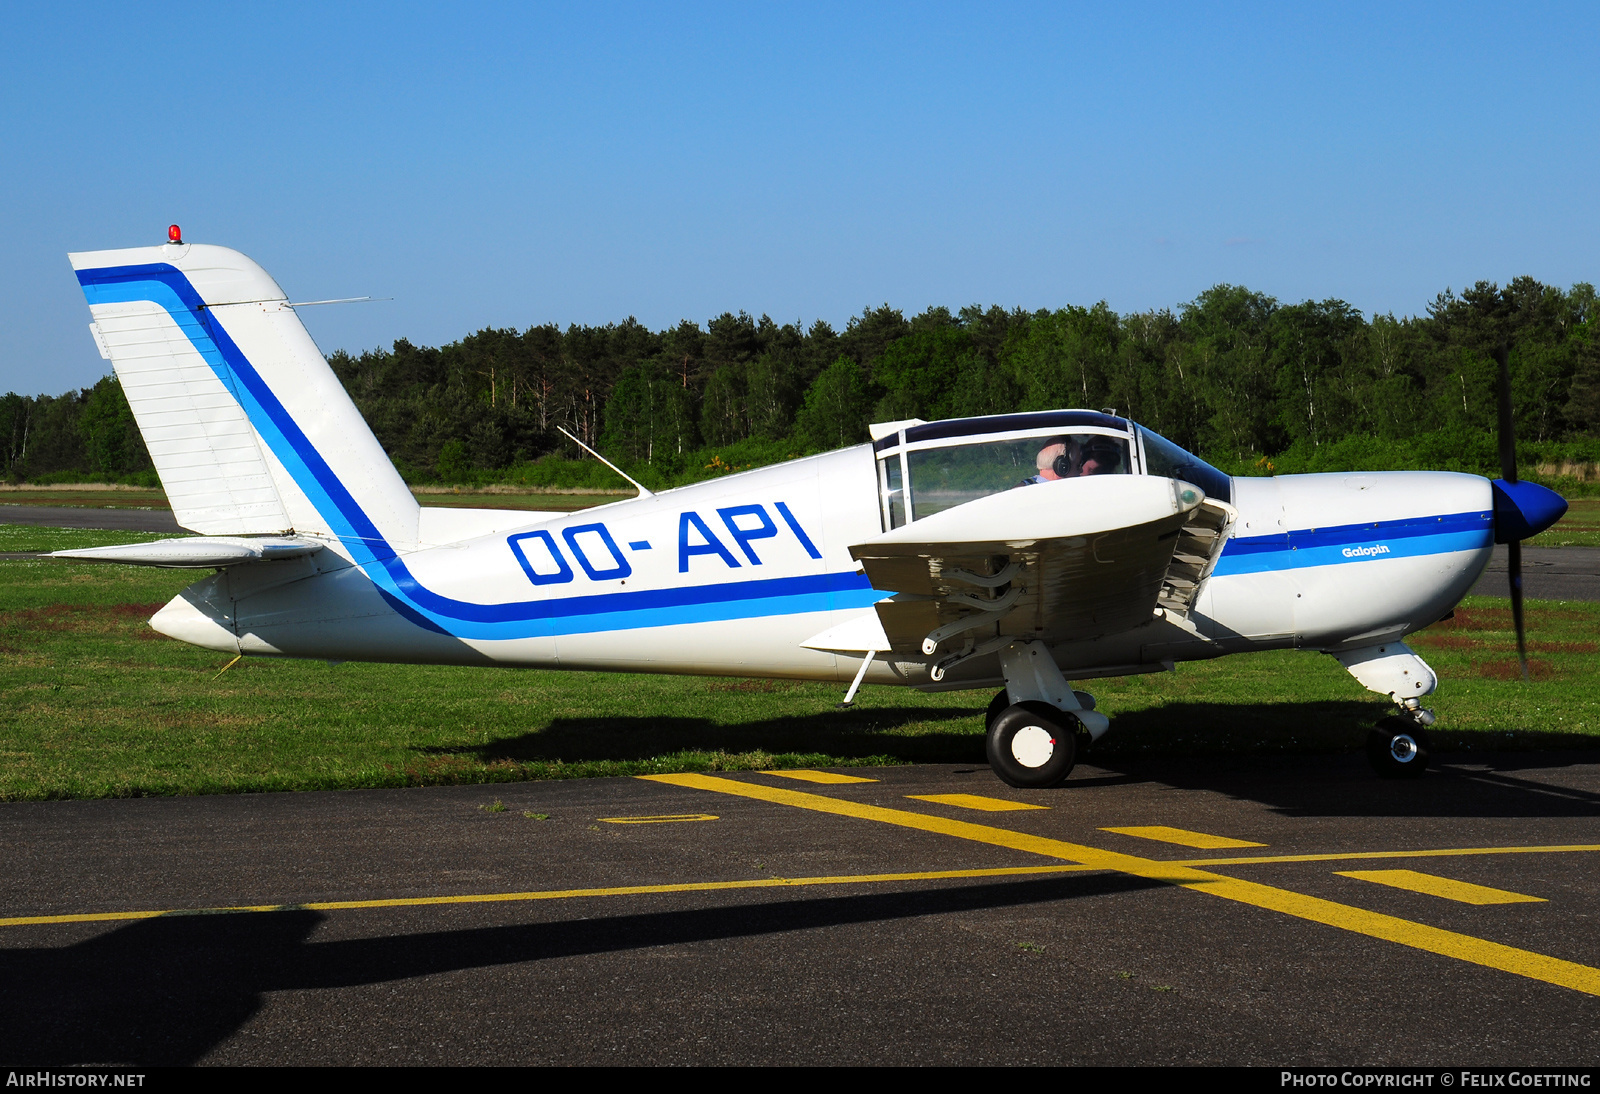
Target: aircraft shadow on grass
{"points": [[856, 733], [168, 991], [1174, 729]]}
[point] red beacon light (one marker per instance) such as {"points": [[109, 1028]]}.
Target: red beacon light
{"points": [[174, 234]]}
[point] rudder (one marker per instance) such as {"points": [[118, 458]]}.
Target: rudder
{"points": [[248, 427]]}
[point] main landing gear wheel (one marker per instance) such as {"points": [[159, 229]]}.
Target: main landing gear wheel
{"points": [[1398, 749], [999, 703], [1032, 745]]}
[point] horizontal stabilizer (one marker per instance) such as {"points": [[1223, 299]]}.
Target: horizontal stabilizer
{"points": [[198, 552]]}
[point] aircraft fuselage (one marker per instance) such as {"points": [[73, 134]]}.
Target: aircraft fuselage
{"points": [[731, 576]]}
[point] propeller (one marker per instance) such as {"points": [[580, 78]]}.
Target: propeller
{"points": [[1508, 472], [1521, 509]]}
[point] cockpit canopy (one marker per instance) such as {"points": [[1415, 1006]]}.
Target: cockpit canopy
{"points": [[928, 467]]}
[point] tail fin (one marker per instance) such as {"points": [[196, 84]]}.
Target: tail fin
{"points": [[248, 427]]}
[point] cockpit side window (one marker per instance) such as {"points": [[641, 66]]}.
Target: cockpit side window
{"points": [[1162, 457], [892, 490], [950, 475]]}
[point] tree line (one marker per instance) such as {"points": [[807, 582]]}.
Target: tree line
{"points": [[1235, 375]]}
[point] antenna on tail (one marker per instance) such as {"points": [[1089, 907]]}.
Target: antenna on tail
{"points": [[643, 492]]}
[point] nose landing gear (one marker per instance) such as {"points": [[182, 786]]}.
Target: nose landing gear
{"points": [[1398, 747]]}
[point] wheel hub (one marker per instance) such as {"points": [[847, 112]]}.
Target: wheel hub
{"points": [[1403, 747], [1032, 746]]}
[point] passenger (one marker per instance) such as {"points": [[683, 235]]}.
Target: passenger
{"points": [[1099, 455]]}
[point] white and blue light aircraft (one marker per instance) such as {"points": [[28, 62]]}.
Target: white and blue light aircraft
{"points": [[1019, 551]]}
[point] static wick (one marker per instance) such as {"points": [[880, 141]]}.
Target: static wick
{"points": [[229, 665]]}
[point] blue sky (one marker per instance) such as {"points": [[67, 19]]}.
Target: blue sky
{"points": [[510, 165]]}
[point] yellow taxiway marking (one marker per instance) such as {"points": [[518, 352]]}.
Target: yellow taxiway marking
{"points": [[550, 894], [1347, 856], [975, 801], [806, 775], [1183, 837], [665, 818], [1450, 889], [1421, 936]]}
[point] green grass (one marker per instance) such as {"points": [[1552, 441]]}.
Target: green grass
{"points": [[95, 704], [26, 538], [1579, 528], [547, 501], [85, 496]]}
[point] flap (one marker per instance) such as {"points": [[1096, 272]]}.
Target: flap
{"points": [[859, 634]]}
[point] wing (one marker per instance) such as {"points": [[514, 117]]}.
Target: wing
{"points": [[1076, 558]]}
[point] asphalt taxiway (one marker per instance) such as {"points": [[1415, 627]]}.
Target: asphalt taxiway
{"points": [[1548, 573], [1294, 911], [109, 518]]}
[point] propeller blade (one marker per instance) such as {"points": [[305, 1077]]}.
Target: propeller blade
{"points": [[1508, 471], [1514, 570], [1508, 436]]}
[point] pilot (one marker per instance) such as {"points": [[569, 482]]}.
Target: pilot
{"points": [[1071, 457], [1054, 461]]}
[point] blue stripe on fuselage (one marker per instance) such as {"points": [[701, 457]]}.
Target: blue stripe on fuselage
{"points": [[167, 287], [1376, 540]]}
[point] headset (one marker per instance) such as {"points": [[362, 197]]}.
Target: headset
{"points": [[1063, 463], [1104, 449]]}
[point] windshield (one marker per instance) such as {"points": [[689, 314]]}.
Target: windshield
{"points": [[1162, 457]]}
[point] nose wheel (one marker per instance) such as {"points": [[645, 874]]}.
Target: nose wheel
{"points": [[1398, 748]]}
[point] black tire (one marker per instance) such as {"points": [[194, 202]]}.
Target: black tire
{"points": [[996, 705], [1018, 751], [1398, 749]]}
